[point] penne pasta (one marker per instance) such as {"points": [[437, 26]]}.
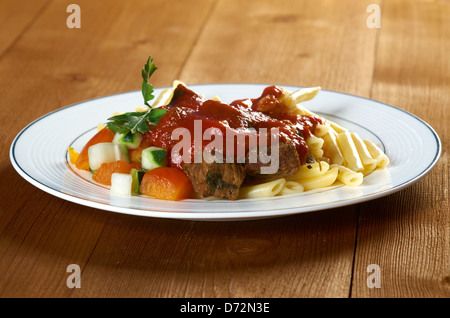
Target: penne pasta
{"points": [[315, 146], [164, 98], [291, 187], [348, 149], [347, 176], [377, 154], [325, 180], [367, 160], [337, 128], [310, 170], [300, 110], [292, 99], [331, 148], [321, 130], [263, 190]]}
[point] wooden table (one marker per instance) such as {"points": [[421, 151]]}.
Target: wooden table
{"points": [[45, 65]]}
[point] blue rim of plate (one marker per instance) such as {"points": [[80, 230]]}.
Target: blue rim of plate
{"points": [[224, 216]]}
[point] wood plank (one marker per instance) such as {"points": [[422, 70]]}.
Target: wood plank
{"points": [[279, 257], [51, 67], [407, 234], [308, 255], [304, 43], [16, 18], [42, 238]]}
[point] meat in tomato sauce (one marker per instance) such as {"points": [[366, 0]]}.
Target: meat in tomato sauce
{"points": [[244, 116]]}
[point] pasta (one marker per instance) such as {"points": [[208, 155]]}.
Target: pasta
{"points": [[321, 130], [293, 99], [325, 180], [367, 160], [338, 129], [349, 151], [291, 187], [310, 171], [377, 154], [348, 176], [164, 98], [263, 190], [315, 146], [331, 148]]}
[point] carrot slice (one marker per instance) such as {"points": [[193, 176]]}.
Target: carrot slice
{"points": [[104, 173], [166, 183], [104, 135]]}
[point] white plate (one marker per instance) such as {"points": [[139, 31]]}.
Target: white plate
{"points": [[39, 154]]}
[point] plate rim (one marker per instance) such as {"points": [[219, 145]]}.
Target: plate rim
{"points": [[236, 215]]}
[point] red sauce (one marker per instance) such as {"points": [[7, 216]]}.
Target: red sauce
{"points": [[245, 116]]}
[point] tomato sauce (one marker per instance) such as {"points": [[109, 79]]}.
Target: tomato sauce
{"points": [[246, 116]]}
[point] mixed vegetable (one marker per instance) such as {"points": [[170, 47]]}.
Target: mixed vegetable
{"points": [[119, 156]]}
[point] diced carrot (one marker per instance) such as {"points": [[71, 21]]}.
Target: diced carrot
{"points": [[166, 183], [136, 154], [73, 155], [104, 173], [104, 135]]}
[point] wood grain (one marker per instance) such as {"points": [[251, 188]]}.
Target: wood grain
{"points": [[407, 234], [304, 43], [45, 66], [13, 26], [267, 258]]}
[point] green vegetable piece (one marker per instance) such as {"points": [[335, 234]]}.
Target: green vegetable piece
{"points": [[153, 157], [137, 176], [131, 141]]}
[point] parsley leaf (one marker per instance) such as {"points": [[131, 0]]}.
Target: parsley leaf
{"points": [[147, 88], [134, 122]]}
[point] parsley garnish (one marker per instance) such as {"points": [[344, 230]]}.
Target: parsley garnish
{"points": [[147, 88], [134, 122]]}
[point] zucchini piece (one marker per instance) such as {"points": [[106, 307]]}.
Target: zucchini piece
{"points": [[105, 152], [121, 184], [131, 141], [153, 157], [136, 176]]}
